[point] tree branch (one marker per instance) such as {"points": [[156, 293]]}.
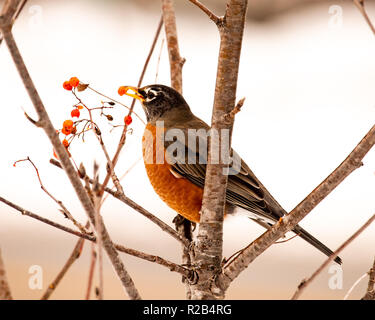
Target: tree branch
{"points": [[145, 256], [5, 293], [72, 258], [289, 221], [360, 4], [123, 198], [183, 226], [217, 20], [175, 60], [304, 283], [208, 249], [125, 130], [370, 293], [50, 131]]}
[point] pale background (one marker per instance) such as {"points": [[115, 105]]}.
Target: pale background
{"points": [[308, 80]]}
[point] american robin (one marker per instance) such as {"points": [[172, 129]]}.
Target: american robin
{"points": [[179, 181]]}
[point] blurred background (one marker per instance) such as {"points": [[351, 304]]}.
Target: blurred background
{"points": [[307, 72]]}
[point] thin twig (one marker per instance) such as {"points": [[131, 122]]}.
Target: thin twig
{"points": [[64, 209], [370, 292], [123, 198], [302, 286], [116, 101], [125, 129], [145, 256], [5, 293], [361, 7], [354, 285], [158, 63], [230, 115], [72, 258], [91, 272], [217, 20]]}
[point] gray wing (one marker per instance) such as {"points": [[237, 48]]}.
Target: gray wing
{"points": [[189, 161]]}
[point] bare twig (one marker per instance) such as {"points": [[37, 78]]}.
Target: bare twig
{"points": [[145, 256], [50, 131], [64, 210], [370, 292], [123, 198], [158, 63], [289, 221], [125, 130], [91, 272], [230, 115], [302, 286], [361, 7], [72, 258], [116, 101], [217, 20], [354, 285], [5, 293]]}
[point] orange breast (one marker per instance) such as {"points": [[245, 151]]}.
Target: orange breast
{"points": [[178, 193]]}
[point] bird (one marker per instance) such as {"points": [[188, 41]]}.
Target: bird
{"points": [[179, 181]]}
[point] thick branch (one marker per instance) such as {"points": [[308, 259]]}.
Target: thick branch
{"points": [[208, 250], [46, 124], [352, 162], [176, 62], [5, 293], [183, 226]]}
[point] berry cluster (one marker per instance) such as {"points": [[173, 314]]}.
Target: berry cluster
{"points": [[69, 126], [70, 84]]}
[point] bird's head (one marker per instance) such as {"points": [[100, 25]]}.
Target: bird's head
{"points": [[158, 100]]}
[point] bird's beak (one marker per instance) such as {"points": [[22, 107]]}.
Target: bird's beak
{"points": [[136, 95]]}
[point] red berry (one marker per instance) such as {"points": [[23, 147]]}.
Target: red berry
{"points": [[75, 113], [67, 85], [128, 120], [74, 82], [65, 143]]}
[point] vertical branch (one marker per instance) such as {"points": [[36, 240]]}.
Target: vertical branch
{"points": [[5, 293], [208, 250], [183, 226], [176, 62]]}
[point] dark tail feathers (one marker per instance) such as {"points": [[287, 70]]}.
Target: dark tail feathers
{"points": [[315, 242]]}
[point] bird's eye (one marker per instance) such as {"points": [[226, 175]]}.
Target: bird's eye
{"points": [[150, 94]]}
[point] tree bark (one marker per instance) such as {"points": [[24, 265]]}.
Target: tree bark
{"points": [[209, 246]]}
